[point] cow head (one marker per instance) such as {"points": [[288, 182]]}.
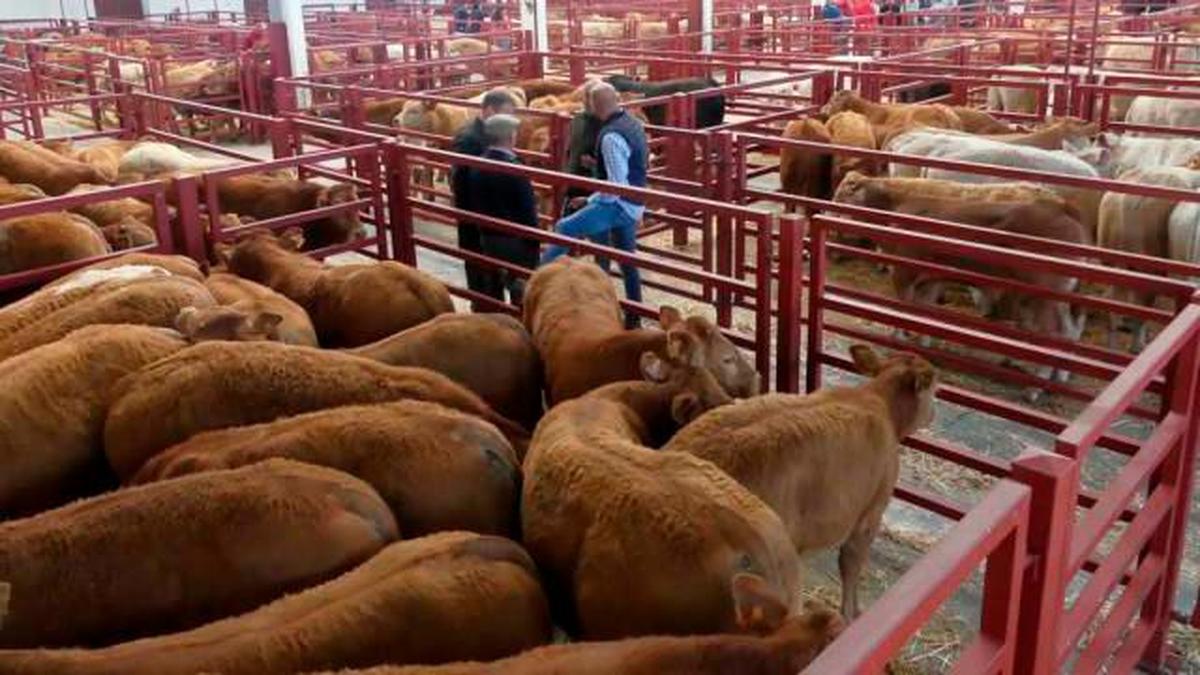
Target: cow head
{"points": [[842, 100], [416, 116], [760, 610], [682, 366], [227, 323], [623, 83], [129, 232], [910, 380], [716, 353], [1098, 153], [346, 222]]}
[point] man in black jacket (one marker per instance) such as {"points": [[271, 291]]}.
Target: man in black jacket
{"points": [[508, 197], [471, 141]]}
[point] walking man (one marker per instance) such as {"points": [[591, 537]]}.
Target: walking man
{"points": [[623, 154]]}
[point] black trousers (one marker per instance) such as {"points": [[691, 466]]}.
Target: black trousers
{"points": [[469, 239], [516, 250]]}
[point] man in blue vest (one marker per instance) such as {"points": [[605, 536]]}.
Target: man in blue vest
{"points": [[623, 152]]}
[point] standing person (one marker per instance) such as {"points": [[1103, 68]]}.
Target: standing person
{"points": [[581, 148], [461, 16], [832, 15], [624, 152], [508, 197], [472, 141], [477, 17]]}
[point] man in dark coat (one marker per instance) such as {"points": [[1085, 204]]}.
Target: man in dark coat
{"points": [[471, 141], [508, 197]]}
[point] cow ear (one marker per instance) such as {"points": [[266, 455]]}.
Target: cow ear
{"points": [[429, 105], [292, 239], [683, 348], [266, 323], [668, 316], [222, 252], [187, 321], [686, 407], [757, 607], [865, 359], [922, 379], [701, 327], [654, 368]]}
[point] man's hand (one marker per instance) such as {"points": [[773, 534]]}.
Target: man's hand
{"points": [[577, 203], [588, 161]]}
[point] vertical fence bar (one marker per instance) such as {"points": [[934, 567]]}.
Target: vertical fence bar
{"points": [[762, 296], [1054, 481], [791, 271], [728, 189], [399, 210], [189, 239], [818, 233], [1183, 401]]}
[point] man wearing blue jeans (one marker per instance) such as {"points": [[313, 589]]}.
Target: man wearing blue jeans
{"points": [[623, 150]]}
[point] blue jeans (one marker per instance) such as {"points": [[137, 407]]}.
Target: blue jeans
{"points": [[602, 223]]}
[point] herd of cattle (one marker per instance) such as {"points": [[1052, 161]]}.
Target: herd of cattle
{"points": [[1114, 220], [289, 466]]}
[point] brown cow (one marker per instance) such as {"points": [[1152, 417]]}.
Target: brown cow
{"points": [[30, 242], [854, 130], [53, 409], [574, 316], [1043, 218], [490, 354], [778, 644], [350, 305], [793, 451], [112, 211], [175, 554], [262, 197], [635, 542], [431, 600], [802, 172], [53, 173], [134, 294], [438, 469], [894, 119], [214, 385], [291, 325], [19, 192]]}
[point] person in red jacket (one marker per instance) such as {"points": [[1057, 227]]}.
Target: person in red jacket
{"points": [[862, 12]]}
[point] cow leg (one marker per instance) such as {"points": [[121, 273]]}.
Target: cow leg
{"points": [[852, 559]]}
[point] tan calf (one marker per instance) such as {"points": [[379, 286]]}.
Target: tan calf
{"points": [[350, 305], [45, 239], [175, 554], [852, 129], [637, 542], [432, 600], [438, 469], [216, 385], [52, 413], [574, 316], [807, 173], [826, 462], [778, 644], [256, 301], [490, 354]]}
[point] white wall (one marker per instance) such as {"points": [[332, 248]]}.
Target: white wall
{"points": [[41, 9], [166, 6]]}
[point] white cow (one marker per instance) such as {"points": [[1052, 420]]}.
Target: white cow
{"points": [[1164, 112]]}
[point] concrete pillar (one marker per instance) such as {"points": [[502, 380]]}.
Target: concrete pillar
{"points": [[289, 47], [534, 20]]}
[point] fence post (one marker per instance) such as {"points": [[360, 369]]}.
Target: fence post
{"points": [[765, 226], [1160, 607], [727, 191], [1054, 481], [818, 233], [399, 210], [189, 239], [787, 327]]}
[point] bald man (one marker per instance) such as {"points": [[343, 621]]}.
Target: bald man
{"points": [[623, 154]]}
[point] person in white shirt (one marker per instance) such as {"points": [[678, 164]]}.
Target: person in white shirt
{"points": [[624, 153]]}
